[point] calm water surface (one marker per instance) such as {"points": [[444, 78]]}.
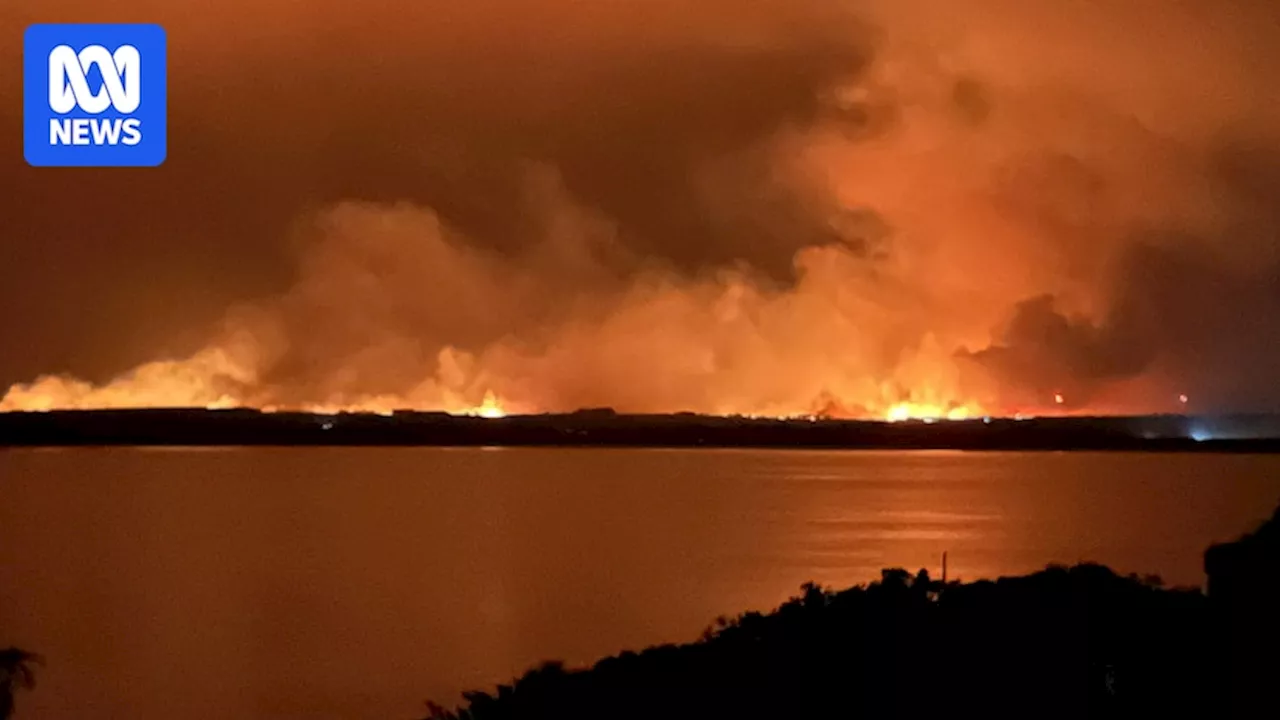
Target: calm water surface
{"points": [[357, 583]]}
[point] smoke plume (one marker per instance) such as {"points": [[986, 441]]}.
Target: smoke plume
{"points": [[862, 208]]}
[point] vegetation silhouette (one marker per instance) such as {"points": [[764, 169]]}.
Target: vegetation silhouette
{"points": [[17, 672], [1063, 642], [1244, 587]]}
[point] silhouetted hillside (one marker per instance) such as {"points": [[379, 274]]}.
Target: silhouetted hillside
{"points": [[1060, 643], [1244, 591], [1064, 642]]}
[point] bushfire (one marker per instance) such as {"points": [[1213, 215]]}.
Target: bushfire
{"points": [[169, 384]]}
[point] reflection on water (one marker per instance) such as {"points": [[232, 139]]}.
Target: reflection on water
{"points": [[357, 583]]}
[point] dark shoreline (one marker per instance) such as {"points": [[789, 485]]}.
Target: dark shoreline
{"points": [[603, 428]]}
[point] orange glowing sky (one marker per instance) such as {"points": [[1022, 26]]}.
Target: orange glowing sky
{"points": [[915, 208]]}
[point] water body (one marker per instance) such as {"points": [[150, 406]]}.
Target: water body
{"points": [[358, 583]]}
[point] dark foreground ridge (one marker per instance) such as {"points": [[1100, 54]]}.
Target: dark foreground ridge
{"points": [[608, 429], [1062, 643]]}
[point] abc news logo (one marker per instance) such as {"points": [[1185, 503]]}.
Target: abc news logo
{"points": [[95, 95], [69, 89]]}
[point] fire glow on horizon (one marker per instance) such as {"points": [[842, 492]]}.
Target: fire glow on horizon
{"points": [[490, 407], [892, 209]]}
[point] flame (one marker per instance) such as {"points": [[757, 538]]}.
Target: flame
{"points": [[228, 377], [491, 408], [52, 393], [907, 410], [209, 380]]}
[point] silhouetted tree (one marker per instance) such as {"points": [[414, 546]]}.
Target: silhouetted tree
{"points": [[16, 672]]}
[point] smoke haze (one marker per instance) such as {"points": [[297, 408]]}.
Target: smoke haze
{"points": [[735, 206]]}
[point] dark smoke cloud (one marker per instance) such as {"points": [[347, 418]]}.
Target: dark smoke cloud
{"points": [[1049, 353], [723, 206], [643, 107]]}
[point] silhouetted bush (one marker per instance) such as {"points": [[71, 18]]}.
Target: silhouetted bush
{"points": [[1063, 642]]}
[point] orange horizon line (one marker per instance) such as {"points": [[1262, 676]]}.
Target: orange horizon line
{"points": [[474, 412]]}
